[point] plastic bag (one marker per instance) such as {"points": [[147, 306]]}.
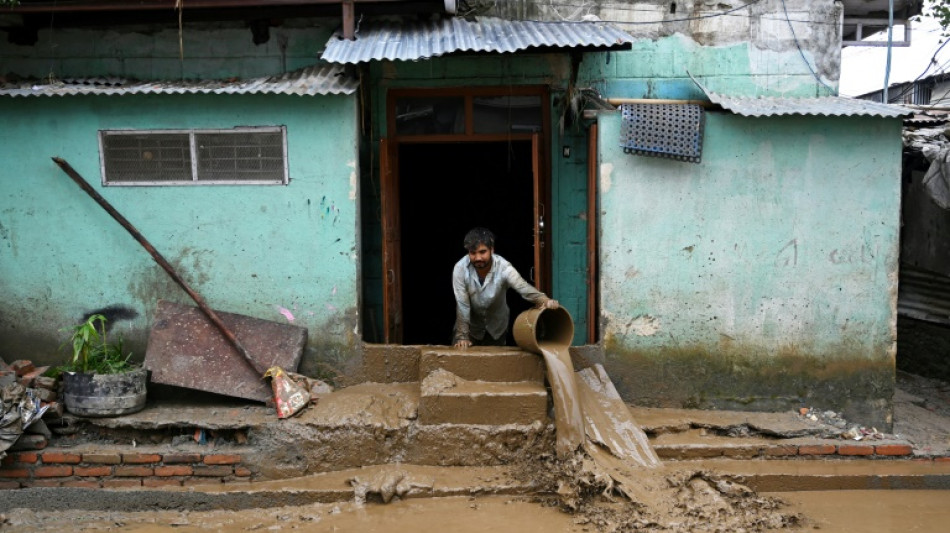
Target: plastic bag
{"points": [[291, 393]]}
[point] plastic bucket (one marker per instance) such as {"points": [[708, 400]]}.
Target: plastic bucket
{"points": [[535, 327]]}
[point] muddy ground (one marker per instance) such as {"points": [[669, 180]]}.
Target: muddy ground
{"points": [[572, 497]]}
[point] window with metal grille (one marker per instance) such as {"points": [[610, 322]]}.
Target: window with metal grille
{"points": [[239, 156]]}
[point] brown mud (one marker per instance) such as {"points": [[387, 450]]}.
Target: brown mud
{"points": [[606, 473]]}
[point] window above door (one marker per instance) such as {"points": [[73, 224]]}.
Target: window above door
{"points": [[424, 114]]}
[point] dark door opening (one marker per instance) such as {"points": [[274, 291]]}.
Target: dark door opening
{"points": [[447, 189]]}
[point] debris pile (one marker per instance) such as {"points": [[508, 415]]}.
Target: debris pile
{"points": [[846, 430], [26, 395]]}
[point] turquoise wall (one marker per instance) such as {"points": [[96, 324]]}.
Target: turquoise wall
{"points": [[199, 51], [264, 251], [764, 276], [661, 68]]}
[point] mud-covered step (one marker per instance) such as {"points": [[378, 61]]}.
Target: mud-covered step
{"points": [[371, 484], [788, 476], [489, 363], [448, 399]]}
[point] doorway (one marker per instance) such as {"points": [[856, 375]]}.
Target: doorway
{"points": [[447, 189]]}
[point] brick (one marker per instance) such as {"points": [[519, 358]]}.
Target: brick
{"points": [[176, 470], [81, 484], [52, 471], [141, 458], [697, 452], [22, 366], [240, 471], [816, 449], [27, 457], [199, 481], [45, 382], [160, 482], [7, 485], [742, 452], [781, 450], [213, 471], [44, 483], [45, 395], [178, 458], [222, 459], [133, 471], [893, 449], [92, 471], [28, 378], [14, 472], [855, 449], [61, 458], [102, 458], [121, 483], [30, 442], [942, 459]]}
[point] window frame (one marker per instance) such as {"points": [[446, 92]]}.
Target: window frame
{"points": [[193, 153]]}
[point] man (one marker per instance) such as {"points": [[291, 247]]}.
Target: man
{"points": [[480, 281]]}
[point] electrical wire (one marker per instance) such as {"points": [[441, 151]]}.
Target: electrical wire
{"points": [[802, 52]]}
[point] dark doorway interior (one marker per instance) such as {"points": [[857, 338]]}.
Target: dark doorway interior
{"points": [[445, 190]]}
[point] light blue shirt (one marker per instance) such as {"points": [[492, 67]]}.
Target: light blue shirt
{"points": [[480, 307]]}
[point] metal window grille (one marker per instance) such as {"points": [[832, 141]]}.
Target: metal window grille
{"points": [[194, 157]]}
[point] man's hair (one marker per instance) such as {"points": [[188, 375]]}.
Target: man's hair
{"points": [[478, 236]]}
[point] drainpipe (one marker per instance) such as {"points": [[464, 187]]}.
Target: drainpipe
{"points": [[890, 35], [349, 21]]}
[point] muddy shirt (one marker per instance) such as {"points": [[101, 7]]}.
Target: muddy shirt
{"points": [[480, 307]]}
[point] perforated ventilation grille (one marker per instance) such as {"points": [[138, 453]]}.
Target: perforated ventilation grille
{"points": [[673, 131]]}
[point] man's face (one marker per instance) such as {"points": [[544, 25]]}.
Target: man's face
{"points": [[480, 257]]}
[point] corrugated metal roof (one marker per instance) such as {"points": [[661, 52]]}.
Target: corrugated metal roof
{"points": [[923, 295], [410, 41], [829, 106], [310, 81]]}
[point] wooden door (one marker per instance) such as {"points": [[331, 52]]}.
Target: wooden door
{"points": [[392, 244]]}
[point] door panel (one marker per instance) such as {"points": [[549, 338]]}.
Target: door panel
{"points": [[392, 264]]}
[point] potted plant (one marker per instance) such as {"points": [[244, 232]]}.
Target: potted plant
{"points": [[99, 379]]}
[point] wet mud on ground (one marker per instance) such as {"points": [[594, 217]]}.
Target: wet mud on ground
{"points": [[837, 511]]}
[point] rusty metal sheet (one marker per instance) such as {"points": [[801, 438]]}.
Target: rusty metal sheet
{"points": [[186, 349]]}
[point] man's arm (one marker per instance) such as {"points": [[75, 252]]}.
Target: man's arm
{"points": [[528, 291], [463, 310]]}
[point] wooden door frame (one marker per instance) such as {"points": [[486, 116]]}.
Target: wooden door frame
{"points": [[389, 185]]}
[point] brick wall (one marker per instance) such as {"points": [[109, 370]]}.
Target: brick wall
{"points": [[52, 468]]}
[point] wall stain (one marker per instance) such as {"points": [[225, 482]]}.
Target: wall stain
{"points": [[739, 377]]}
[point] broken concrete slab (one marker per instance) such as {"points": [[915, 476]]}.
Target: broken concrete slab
{"points": [[186, 349]]}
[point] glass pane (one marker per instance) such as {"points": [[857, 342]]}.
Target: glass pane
{"points": [[430, 116], [504, 114], [146, 157], [240, 156]]}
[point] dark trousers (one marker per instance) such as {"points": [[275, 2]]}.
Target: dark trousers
{"points": [[488, 340]]}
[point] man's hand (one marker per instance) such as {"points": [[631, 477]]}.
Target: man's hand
{"points": [[551, 304], [463, 343]]}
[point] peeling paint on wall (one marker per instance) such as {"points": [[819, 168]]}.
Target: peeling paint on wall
{"points": [[606, 169]]}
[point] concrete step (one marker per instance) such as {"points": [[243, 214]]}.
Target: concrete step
{"points": [[495, 363], [370, 483], [789, 476], [448, 399], [700, 444]]}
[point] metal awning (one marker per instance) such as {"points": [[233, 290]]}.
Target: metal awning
{"points": [[411, 41], [310, 81], [829, 106]]}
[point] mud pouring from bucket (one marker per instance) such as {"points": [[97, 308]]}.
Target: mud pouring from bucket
{"points": [[588, 411]]}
